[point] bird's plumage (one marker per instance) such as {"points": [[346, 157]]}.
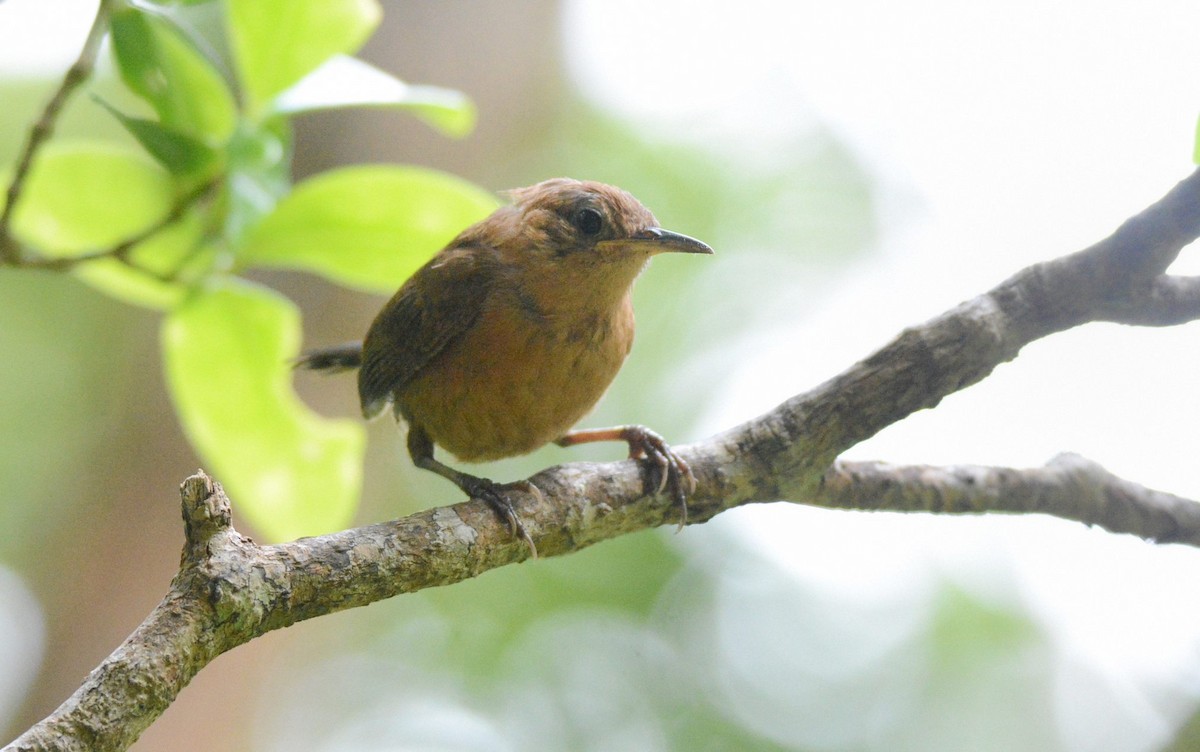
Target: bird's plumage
{"points": [[513, 332], [436, 305]]}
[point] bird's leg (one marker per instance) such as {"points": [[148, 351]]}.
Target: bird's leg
{"points": [[420, 448], [667, 469]]}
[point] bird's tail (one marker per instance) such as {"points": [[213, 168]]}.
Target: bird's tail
{"points": [[334, 359]]}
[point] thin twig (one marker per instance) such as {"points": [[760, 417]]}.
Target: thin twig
{"points": [[10, 250], [121, 250]]}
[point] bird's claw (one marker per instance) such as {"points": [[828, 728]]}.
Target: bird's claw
{"points": [[667, 470], [493, 493]]}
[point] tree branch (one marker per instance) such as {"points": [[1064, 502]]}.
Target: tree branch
{"points": [[230, 590], [1068, 486]]}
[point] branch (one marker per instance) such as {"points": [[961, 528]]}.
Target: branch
{"points": [[10, 251], [230, 590], [1069, 486]]}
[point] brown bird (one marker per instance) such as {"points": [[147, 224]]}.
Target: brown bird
{"points": [[512, 333]]}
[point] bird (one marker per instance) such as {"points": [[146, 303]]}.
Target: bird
{"points": [[512, 333]]}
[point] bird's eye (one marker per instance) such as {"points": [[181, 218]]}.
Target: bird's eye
{"points": [[589, 221]]}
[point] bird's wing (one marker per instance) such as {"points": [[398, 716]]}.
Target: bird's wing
{"points": [[434, 307]]}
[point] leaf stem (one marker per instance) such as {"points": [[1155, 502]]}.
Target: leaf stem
{"points": [[121, 250], [43, 129]]}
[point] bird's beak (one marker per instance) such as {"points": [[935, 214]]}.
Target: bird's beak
{"points": [[665, 241]]}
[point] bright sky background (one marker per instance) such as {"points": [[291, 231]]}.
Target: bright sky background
{"points": [[41, 35], [1002, 133]]}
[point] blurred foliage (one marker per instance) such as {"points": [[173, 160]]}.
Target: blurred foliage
{"points": [[61, 423], [230, 339], [346, 224], [276, 43], [809, 199], [84, 196], [345, 81], [209, 194], [160, 64]]}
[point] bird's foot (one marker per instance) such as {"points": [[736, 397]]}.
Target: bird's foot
{"points": [[667, 470], [495, 495]]}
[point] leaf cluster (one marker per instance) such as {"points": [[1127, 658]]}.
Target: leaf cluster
{"points": [[173, 222]]}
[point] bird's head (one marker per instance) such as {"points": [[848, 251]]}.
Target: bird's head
{"points": [[574, 217], [578, 232]]}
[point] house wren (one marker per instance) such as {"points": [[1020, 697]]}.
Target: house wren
{"points": [[512, 333]]}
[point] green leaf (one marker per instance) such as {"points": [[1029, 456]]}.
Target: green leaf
{"points": [[967, 630], [278, 42], [1196, 148], [163, 67], [259, 174], [178, 152], [82, 197], [345, 81], [288, 470], [177, 250], [368, 227]]}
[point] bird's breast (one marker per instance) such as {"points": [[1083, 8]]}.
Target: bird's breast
{"points": [[519, 378]]}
